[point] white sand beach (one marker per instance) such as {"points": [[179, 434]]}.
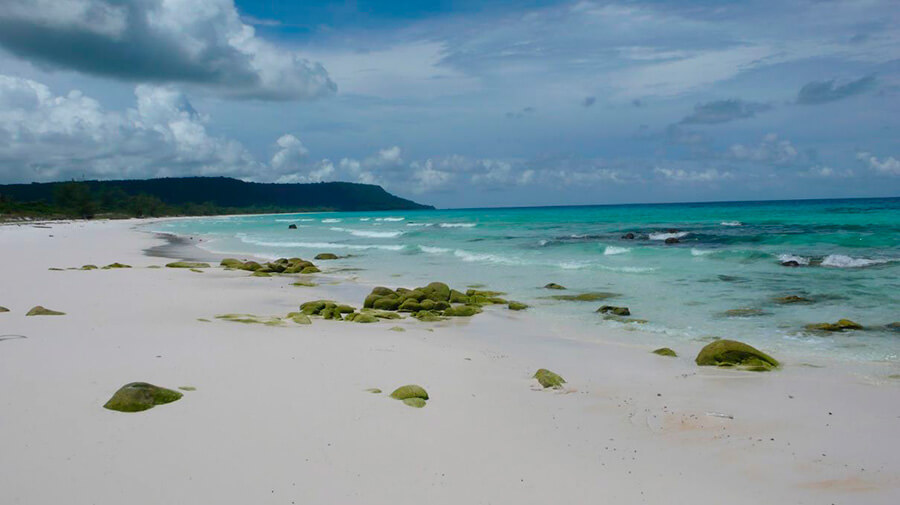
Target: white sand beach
{"points": [[280, 415]]}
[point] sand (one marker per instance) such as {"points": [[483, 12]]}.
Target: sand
{"points": [[281, 415]]}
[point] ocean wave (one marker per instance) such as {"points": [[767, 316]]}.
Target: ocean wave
{"points": [[434, 250], [365, 218], [489, 258], [368, 234], [702, 252], [731, 223], [628, 270], [613, 250], [419, 224], [319, 245], [331, 220], [843, 261], [458, 225], [667, 235], [802, 260], [390, 219]]}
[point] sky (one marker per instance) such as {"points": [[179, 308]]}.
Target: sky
{"points": [[464, 103]]}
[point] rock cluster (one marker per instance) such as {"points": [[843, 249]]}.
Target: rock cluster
{"points": [[279, 266], [435, 301]]}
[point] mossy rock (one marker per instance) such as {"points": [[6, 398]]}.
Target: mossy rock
{"points": [[305, 284], [386, 303], [585, 297], [250, 266], [789, 299], [187, 388], [260, 273], [374, 391], [187, 264], [427, 304], [326, 256], [617, 311], [383, 291], [411, 305], [41, 311], [382, 314], [276, 268], [397, 328], [316, 307], [89, 267], [251, 319], [840, 325], [116, 265], [345, 309], [4, 309], [139, 396], [462, 311], [437, 291], [428, 316], [412, 294], [310, 270], [665, 351], [54, 269], [744, 313], [299, 318], [549, 379], [483, 292], [457, 297], [414, 402], [231, 263], [362, 317], [554, 285], [517, 306], [730, 353], [409, 391]]}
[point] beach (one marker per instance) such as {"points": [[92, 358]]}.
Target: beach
{"points": [[281, 414]]}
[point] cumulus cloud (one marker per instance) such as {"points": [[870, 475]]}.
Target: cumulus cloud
{"points": [[723, 111], [682, 175], [202, 42], [771, 149], [886, 166], [818, 92]]}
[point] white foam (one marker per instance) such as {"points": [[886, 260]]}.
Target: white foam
{"points": [[702, 252], [368, 234], [331, 220], [320, 245], [419, 224], [489, 258], [434, 250], [843, 261], [365, 218], [664, 236], [458, 225], [792, 257], [613, 250], [390, 219], [731, 223]]}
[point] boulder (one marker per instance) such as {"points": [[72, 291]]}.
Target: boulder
{"points": [[326, 256], [730, 353], [138, 396], [292, 227], [409, 391], [462, 311], [618, 311], [585, 297], [41, 311], [665, 351], [672, 240], [386, 303], [251, 266], [116, 265], [457, 297], [275, 267], [231, 263], [554, 285], [628, 236], [361, 317], [383, 291], [516, 306], [187, 264], [436, 291], [548, 379], [840, 325]]}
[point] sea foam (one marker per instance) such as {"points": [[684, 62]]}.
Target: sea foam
{"points": [[612, 250], [843, 261], [664, 236], [369, 234]]}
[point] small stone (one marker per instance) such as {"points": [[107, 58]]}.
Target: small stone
{"points": [[139, 396], [41, 311]]}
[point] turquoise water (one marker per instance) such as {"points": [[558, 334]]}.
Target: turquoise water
{"points": [[729, 256]]}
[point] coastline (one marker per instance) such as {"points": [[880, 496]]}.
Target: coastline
{"points": [[280, 414]]}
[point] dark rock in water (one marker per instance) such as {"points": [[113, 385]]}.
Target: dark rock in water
{"points": [[326, 256], [548, 379], [840, 325], [292, 227], [628, 236], [665, 351], [584, 297], [672, 240], [790, 263], [744, 312], [785, 300], [139, 396], [610, 309], [890, 326], [673, 230], [730, 353], [554, 285]]}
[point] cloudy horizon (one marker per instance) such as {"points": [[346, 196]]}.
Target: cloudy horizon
{"points": [[513, 104]]}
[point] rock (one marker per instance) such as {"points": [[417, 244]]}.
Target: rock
{"points": [[665, 351], [790, 263], [785, 300], [251, 319], [387, 303], [672, 240], [305, 284], [41, 311], [299, 318], [139, 396], [628, 236], [890, 326], [382, 314], [292, 227], [187, 264], [730, 353], [428, 316], [457, 296], [116, 265], [4, 309], [516, 306], [409, 391], [362, 317], [397, 328], [414, 402], [462, 311], [383, 291], [187, 388], [618, 311], [231, 263], [554, 285], [483, 293], [326, 256], [585, 297], [250, 266], [275, 267], [436, 291], [744, 313], [89, 267], [55, 269], [548, 379], [840, 325], [310, 270], [260, 273]]}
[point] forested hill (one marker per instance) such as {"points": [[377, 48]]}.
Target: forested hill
{"points": [[190, 196]]}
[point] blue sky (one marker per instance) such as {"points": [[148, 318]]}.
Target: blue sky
{"points": [[461, 103]]}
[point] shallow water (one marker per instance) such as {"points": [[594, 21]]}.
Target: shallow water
{"points": [[728, 257]]}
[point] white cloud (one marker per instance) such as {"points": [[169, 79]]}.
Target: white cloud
{"points": [[886, 166], [770, 150], [682, 175]]}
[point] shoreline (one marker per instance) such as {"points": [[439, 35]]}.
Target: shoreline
{"points": [[281, 415]]}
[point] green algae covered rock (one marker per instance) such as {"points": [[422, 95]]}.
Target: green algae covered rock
{"points": [[251, 319], [462, 311], [554, 285], [362, 317], [387, 303], [139, 396], [4, 309], [428, 316], [326, 256], [260, 273], [299, 318], [397, 328], [231, 263], [89, 267], [548, 379], [517, 306], [250, 266], [411, 305], [731, 353], [41, 311], [187, 264], [789, 299], [116, 265], [437, 291], [840, 325], [409, 391], [585, 297], [382, 314], [484, 293], [414, 402], [305, 284], [618, 311], [665, 351], [310, 270]]}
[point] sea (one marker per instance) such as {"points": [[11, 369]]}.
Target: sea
{"points": [[721, 277]]}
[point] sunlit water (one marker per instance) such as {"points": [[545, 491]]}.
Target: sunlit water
{"points": [[729, 257]]}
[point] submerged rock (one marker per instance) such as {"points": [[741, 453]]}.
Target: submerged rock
{"points": [[628, 236], [840, 325], [513, 305], [549, 379], [789, 299], [890, 326], [672, 240], [409, 391], [618, 311], [299, 318], [41, 311], [462, 311], [554, 285], [292, 227], [665, 351], [730, 353], [326, 256], [791, 263], [744, 313], [139, 396], [116, 265], [187, 264], [428, 316], [585, 297]]}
